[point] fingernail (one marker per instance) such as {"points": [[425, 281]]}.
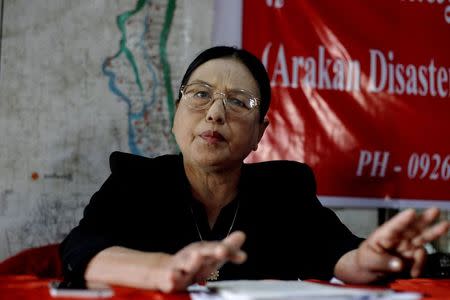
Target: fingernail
{"points": [[394, 264]]}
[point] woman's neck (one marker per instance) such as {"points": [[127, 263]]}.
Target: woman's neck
{"points": [[214, 189]]}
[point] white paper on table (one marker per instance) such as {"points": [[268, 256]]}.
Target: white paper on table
{"points": [[290, 290], [201, 292]]}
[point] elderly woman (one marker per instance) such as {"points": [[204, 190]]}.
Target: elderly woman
{"points": [[167, 222]]}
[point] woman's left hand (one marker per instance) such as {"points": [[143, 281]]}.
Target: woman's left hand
{"points": [[396, 246]]}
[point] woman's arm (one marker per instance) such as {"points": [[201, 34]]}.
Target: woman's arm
{"points": [[127, 267], [394, 247], [160, 271]]}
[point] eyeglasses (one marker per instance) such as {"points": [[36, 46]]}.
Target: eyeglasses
{"points": [[201, 96]]}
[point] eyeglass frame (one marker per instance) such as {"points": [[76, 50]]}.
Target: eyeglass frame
{"points": [[224, 98]]}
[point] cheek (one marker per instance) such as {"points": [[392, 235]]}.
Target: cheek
{"points": [[247, 135], [177, 128], [183, 126]]}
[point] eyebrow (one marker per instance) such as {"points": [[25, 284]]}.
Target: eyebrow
{"points": [[201, 81], [212, 86]]}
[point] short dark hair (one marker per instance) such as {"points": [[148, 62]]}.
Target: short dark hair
{"points": [[252, 63]]}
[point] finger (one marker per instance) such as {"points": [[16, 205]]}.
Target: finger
{"points": [[430, 215], [215, 250], [213, 254], [223, 252], [235, 240], [418, 262], [406, 245], [389, 235], [229, 248], [378, 262], [431, 234], [193, 261], [205, 272], [422, 222], [199, 263], [426, 218], [239, 257], [175, 280], [210, 256], [420, 234]]}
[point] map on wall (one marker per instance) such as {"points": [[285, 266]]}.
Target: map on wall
{"points": [[78, 80], [139, 74]]}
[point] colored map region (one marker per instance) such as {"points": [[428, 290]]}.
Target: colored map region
{"points": [[139, 74]]}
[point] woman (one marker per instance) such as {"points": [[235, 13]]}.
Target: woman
{"points": [[167, 222]]}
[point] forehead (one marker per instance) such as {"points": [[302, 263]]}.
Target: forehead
{"points": [[226, 73]]}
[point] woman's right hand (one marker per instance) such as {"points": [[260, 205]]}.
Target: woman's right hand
{"points": [[195, 262]]}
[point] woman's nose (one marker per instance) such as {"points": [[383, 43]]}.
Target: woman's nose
{"points": [[217, 111]]}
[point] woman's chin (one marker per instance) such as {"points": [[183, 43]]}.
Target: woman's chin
{"points": [[211, 160], [215, 155]]}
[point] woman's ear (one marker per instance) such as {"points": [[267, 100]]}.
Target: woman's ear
{"points": [[262, 129], [177, 102]]}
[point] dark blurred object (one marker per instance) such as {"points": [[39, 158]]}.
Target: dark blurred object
{"points": [[437, 266], [42, 262]]}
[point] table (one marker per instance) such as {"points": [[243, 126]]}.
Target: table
{"points": [[430, 288], [28, 287]]}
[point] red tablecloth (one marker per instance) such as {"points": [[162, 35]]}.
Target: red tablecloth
{"points": [[30, 287], [430, 288], [26, 287]]}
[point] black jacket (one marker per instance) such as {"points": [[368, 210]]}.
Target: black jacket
{"points": [[146, 204]]}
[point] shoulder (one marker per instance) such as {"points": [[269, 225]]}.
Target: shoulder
{"points": [[282, 169], [281, 176], [126, 163]]}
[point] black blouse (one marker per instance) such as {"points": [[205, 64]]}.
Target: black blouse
{"points": [[146, 204]]}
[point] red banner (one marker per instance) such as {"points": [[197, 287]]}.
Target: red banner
{"points": [[361, 92]]}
